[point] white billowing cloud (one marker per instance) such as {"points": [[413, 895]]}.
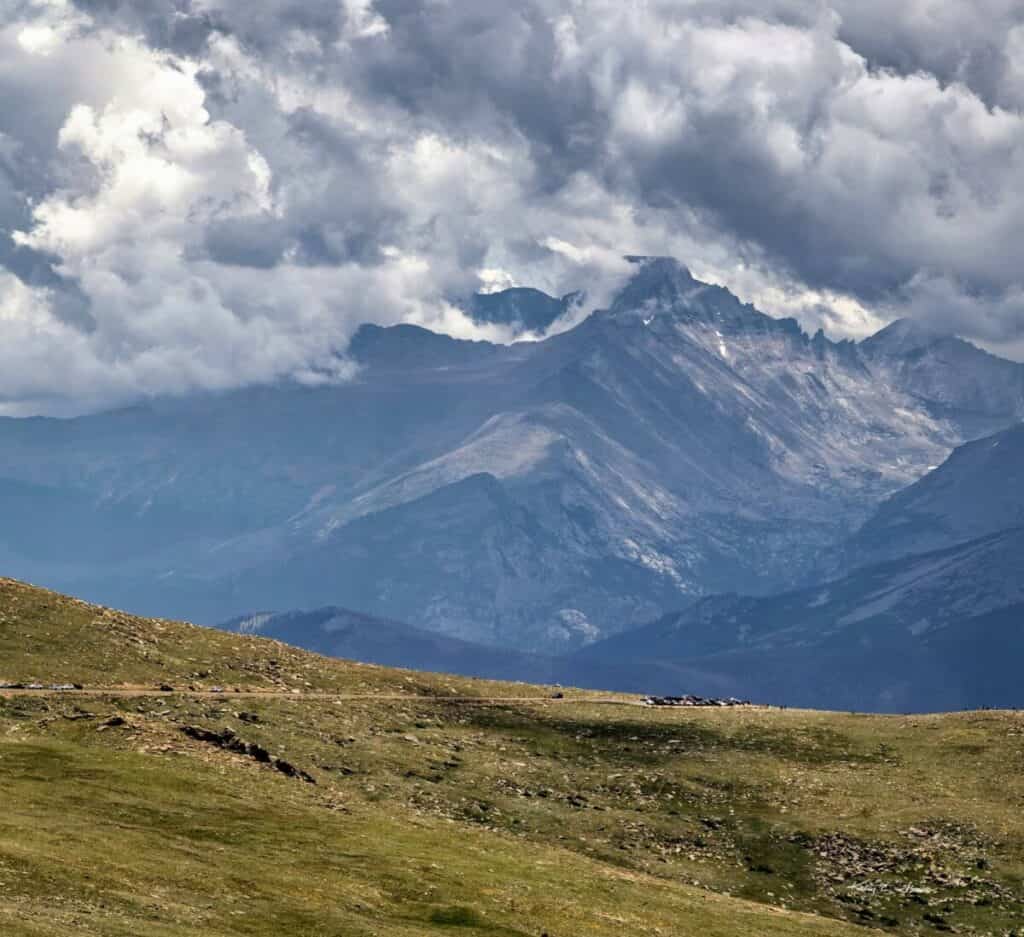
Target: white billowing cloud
{"points": [[160, 170], [45, 361], [53, 22], [362, 21], [206, 194], [130, 232]]}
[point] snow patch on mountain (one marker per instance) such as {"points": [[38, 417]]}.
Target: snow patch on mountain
{"points": [[505, 446]]}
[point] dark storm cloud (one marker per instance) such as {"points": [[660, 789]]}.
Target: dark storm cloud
{"points": [[491, 71], [174, 25], [248, 242], [186, 169], [340, 214], [970, 43], [484, 68]]}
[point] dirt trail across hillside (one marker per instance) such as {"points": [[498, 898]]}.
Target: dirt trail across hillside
{"points": [[323, 696]]}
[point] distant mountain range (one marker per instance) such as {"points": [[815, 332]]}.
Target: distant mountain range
{"points": [[937, 631], [930, 614], [942, 629], [541, 496], [340, 632]]}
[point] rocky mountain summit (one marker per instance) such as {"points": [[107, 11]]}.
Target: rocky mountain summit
{"points": [[522, 309]]}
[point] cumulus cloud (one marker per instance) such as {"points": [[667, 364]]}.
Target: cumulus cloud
{"points": [[205, 193]]}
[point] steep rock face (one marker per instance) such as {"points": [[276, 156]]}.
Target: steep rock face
{"points": [[944, 630], [978, 490], [537, 495], [977, 391]]}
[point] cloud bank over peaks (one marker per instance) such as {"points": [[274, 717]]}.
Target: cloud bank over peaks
{"points": [[205, 193]]}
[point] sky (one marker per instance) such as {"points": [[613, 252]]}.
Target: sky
{"points": [[203, 194]]}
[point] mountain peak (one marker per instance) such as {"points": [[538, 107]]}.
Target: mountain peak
{"points": [[661, 281], [406, 346], [660, 264], [522, 308], [662, 285], [903, 336]]}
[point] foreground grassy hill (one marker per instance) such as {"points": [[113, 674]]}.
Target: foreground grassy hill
{"points": [[331, 798]]}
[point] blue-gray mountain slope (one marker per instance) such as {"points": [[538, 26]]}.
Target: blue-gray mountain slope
{"points": [[977, 491], [938, 631], [340, 632]]}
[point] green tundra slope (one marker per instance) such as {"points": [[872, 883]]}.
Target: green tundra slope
{"points": [[330, 799]]}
